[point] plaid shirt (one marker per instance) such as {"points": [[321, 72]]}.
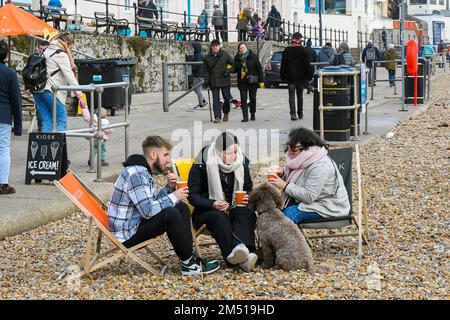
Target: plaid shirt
{"points": [[135, 197]]}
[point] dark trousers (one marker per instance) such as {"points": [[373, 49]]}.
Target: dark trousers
{"points": [[296, 89], [176, 221], [245, 93], [242, 35], [229, 229], [219, 29], [216, 101], [391, 77]]}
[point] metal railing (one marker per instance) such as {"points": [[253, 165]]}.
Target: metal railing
{"points": [[165, 75], [94, 131]]}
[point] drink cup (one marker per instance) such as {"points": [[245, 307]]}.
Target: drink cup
{"points": [[240, 197], [272, 175], [181, 184]]}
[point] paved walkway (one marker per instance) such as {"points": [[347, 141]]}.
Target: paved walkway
{"points": [[37, 204]]}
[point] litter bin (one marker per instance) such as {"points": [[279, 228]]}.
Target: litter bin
{"points": [[107, 71], [352, 113], [336, 92], [409, 83]]}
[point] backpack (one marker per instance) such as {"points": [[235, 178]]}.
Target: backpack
{"points": [[371, 54], [35, 72], [339, 59]]}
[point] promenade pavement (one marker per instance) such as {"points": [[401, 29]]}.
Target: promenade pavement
{"points": [[37, 204]]}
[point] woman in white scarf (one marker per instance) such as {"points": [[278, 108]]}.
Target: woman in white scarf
{"points": [[219, 171]]}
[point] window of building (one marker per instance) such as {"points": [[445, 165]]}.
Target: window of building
{"points": [[164, 4], [418, 2], [432, 1], [327, 6], [127, 5]]}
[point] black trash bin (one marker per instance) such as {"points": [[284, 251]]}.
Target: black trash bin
{"points": [[336, 92], [107, 71], [409, 83], [352, 113]]}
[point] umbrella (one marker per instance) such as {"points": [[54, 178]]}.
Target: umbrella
{"points": [[15, 21]]}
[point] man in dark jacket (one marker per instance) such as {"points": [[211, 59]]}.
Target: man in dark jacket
{"points": [[147, 9], [219, 171], [218, 22], [295, 69], [10, 110], [274, 23], [217, 67], [312, 58], [370, 54], [326, 54], [197, 75]]}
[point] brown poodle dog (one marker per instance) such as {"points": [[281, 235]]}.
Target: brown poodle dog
{"points": [[281, 240]]}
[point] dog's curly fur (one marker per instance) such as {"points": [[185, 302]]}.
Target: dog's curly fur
{"points": [[281, 240]]}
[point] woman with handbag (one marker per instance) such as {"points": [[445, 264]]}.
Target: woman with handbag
{"points": [[250, 77]]}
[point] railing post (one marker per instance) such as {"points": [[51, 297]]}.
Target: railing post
{"points": [[41, 10], [185, 24], [165, 76], [107, 18], [91, 140], [98, 135], [161, 19], [289, 29], [127, 137], [54, 103], [284, 30], [135, 19], [315, 35]]}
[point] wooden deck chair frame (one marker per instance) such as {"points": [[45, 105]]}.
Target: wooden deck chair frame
{"points": [[183, 175], [94, 262], [360, 221]]}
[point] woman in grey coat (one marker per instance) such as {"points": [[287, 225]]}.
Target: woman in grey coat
{"points": [[311, 182]]}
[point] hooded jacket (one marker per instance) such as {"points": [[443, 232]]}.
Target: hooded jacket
{"points": [[274, 19], [326, 54], [134, 197], [369, 64], [197, 69]]}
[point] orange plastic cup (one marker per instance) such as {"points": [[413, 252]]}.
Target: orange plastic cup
{"points": [[181, 184], [271, 176], [240, 197]]}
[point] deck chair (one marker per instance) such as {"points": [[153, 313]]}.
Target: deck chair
{"points": [[182, 167], [343, 159], [95, 209]]}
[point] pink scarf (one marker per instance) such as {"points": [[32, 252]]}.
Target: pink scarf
{"points": [[295, 166]]}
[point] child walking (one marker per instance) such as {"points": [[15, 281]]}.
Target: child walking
{"points": [[105, 133]]}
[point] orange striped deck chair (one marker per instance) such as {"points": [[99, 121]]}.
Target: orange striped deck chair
{"points": [[95, 209], [183, 167]]}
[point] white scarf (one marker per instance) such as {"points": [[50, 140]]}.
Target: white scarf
{"points": [[214, 163]]}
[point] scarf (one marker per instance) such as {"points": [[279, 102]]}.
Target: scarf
{"points": [[243, 58], [214, 164], [296, 165]]}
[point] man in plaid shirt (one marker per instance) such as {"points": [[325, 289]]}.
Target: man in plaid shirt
{"points": [[138, 212]]}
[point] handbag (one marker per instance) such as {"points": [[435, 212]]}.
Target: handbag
{"points": [[252, 79]]}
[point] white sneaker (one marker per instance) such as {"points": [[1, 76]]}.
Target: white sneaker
{"points": [[249, 264], [238, 255]]}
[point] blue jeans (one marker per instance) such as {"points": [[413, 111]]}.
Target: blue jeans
{"points": [[5, 159], [44, 103], [103, 150], [296, 215], [391, 77]]}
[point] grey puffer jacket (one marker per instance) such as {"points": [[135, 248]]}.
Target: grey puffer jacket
{"points": [[320, 188]]}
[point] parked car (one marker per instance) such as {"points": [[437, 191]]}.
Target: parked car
{"points": [[272, 70]]}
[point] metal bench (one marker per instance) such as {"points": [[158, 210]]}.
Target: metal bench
{"points": [[108, 21], [56, 15]]}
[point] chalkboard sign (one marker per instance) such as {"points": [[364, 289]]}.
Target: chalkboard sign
{"points": [[47, 156]]}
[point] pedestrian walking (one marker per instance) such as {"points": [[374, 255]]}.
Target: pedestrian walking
{"points": [[274, 24], [218, 22], [295, 70], [312, 58], [370, 54], [391, 55], [343, 56], [326, 54], [217, 66], [250, 77], [60, 71], [197, 75], [10, 112], [243, 24]]}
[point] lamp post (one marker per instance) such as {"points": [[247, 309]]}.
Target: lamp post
{"points": [[402, 41], [319, 3], [225, 20]]}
